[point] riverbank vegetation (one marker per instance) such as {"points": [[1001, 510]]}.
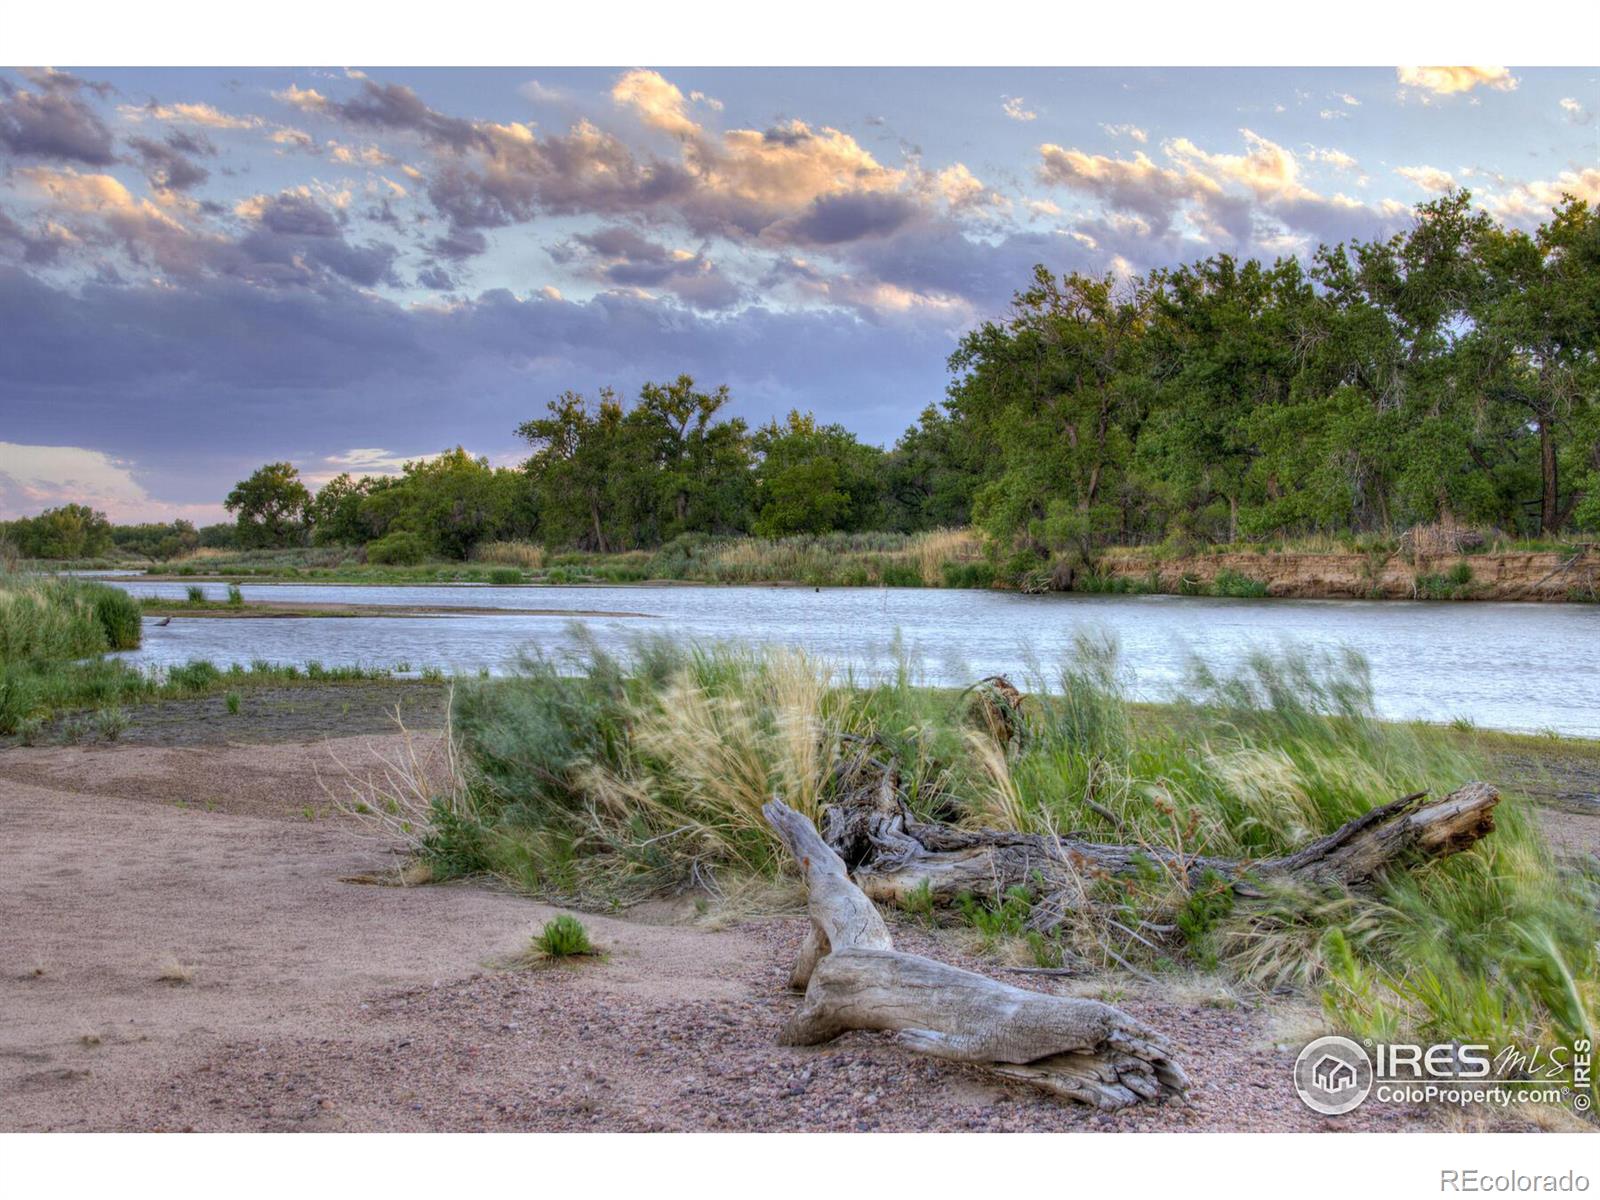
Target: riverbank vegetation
{"points": [[1443, 379], [600, 781], [54, 634]]}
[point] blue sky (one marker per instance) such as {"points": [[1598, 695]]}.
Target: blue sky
{"points": [[202, 270]]}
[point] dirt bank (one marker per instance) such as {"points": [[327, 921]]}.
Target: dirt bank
{"points": [[1522, 576], [167, 963]]}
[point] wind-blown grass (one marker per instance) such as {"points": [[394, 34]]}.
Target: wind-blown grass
{"points": [[598, 780]]}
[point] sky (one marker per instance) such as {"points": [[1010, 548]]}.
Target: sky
{"points": [[204, 270]]}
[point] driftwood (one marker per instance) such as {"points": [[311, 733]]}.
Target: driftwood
{"points": [[872, 847], [891, 855], [855, 979]]}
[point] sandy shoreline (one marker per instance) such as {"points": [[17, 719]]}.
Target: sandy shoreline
{"points": [[314, 1003]]}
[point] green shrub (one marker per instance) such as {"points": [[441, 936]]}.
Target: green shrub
{"points": [[232, 700], [196, 593], [111, 722], [563, 937], [505, 575], [1454, 584], [454, 844], [235, 595], [1232, 583], [194, 676], [399, 548], [967, 574]]}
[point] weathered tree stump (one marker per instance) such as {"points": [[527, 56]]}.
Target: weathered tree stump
{"points": [[855, 979]]}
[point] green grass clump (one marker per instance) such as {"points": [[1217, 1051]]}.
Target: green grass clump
{"points": [[563, 937], [1454, 584], [505, 575], [1232, 583], [111, 722], [195, 593]]}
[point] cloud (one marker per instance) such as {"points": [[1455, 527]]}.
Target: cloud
{"points": [[1137, 185], [1429, 179], [624, 258], [52, 120], [1337, 159], [41, 246], [1016, 108], [1267, 169], [656, 101], [34, 478], [1576, 112], [387, 106], [1244, 201], [1132, 131], [189, 114], [1529, 204], [167, 164], [1446, 81]]}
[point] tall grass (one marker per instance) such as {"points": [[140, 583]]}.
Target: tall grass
{"points": [[55, 620], [601, 779], [527, 555]]}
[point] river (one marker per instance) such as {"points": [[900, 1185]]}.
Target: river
{"points": [[1526, 667]]}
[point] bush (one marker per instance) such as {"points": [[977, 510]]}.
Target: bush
{"points": [[1454, 584], [120, 617], [397, 549], [111, 722], [1232, 583], [505, 575], [563, 937], [967, 574], [195, 593]]}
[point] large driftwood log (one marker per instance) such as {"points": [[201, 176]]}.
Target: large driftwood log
{"points": [[890, 854], [855, 979]]}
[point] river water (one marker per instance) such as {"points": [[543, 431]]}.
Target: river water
{"points": [[1503, 666]]}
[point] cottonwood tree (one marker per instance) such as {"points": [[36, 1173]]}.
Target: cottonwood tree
{"points": [[270, 507]]}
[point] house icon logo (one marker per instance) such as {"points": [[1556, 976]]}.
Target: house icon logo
{"points": [[1332, 1075]]}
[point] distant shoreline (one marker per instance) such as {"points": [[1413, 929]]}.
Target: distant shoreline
{"points": [[1522, 576]]}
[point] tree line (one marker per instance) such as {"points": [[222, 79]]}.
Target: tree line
{"points": [[1448, 373]]}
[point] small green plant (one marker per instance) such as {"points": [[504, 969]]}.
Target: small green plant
{"points": [[505, 575], [28, 730], [563, 937], [1210, 903], [235, 596], [111, 722], [918, 903], [74, 729], [232, 701], [196, 593], [997, 920]]}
